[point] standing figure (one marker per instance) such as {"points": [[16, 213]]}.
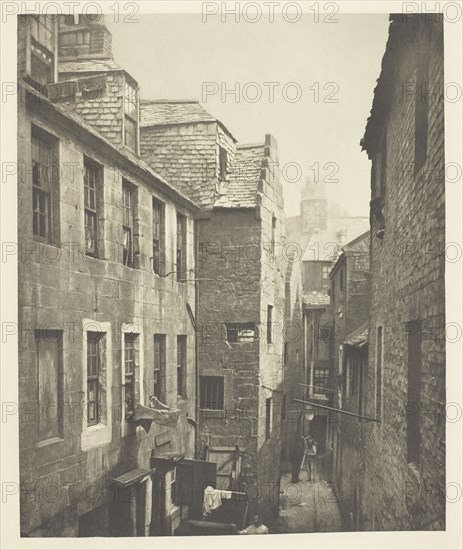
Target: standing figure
{"points": [[311, 454], [297, 453]]}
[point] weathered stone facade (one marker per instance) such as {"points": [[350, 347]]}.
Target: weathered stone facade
{"points": [[404, 482], [241, 274], [66, 294], [182, 142], [350, 298]]}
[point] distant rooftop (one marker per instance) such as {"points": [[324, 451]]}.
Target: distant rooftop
{"points": [[163, 111], [316, 298], [89, 66]]}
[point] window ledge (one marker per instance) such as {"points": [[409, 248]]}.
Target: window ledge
{"points": [[213, 413], [50, 441], [95, 436], [44, 241]]}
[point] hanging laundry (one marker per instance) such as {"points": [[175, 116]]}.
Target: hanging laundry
{"points": [[213, 499]]}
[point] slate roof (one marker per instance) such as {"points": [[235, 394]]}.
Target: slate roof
{"points": [[163, 111], [89, 66], [241, 190], [316, 298], [359, 337], [132, 157]]}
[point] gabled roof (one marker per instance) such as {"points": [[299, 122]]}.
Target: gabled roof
{"points": [[241, 190], [360, 243], [163, 111], [89, 66]]}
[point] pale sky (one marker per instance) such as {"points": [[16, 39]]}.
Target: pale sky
{"points": [[172, 56]]}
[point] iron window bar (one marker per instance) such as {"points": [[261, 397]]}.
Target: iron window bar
{"points": [[312, 404]]}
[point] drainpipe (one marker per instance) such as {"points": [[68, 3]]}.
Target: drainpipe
{"points": [[197, 282]]}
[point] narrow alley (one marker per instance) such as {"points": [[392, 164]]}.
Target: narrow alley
{"points": [[308, 506], [205, 344]]}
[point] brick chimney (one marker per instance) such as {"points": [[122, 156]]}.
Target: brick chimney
{"points": [[84, 37]]}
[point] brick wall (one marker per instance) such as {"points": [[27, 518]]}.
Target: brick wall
{"points": [[407, 271]]}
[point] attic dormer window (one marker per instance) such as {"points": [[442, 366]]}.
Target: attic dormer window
{"points": [[130, 116], [42, 65], [223, 161]]}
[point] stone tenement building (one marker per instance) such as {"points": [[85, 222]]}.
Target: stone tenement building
{"points": [[318, 235], [240, 289], [108, 297], [103, 305], [241, 314], [404, 482], [350, 302]]}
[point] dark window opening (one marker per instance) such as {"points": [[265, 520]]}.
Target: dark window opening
{"points": [[42, 48], [320, 379], [131, 116], [92, 188], [181, 248], [130, 373], [268, 418], [45, 185], [379, 371], [223, 160], [212, 393], [240, 332], [159, 368], [96, 369], [274, 230], [269, 324], [181, 366], [50, 382], [422, 102], [128, 223], [158, 237]]}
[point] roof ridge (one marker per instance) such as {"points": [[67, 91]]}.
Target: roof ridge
{"points": [[249, 145], [173, 101]]}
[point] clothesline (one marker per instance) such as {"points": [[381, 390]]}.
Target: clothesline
{"points": [[213, 498]]}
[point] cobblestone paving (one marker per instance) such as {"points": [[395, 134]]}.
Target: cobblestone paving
{"points": [[307, 507]]}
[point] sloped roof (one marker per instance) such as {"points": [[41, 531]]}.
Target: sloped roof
{"points": [[359, 337], [316, 298], [325, 245], [89, 66], [163, 111], [241, 190], [67, 111]]}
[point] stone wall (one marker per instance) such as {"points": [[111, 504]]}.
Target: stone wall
{"points": [[407, 271], [239, 278], [187, 154], [59, 287], [98, 99]]}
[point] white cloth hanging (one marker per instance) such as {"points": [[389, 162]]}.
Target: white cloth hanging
{"points": [[213, 499]]}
